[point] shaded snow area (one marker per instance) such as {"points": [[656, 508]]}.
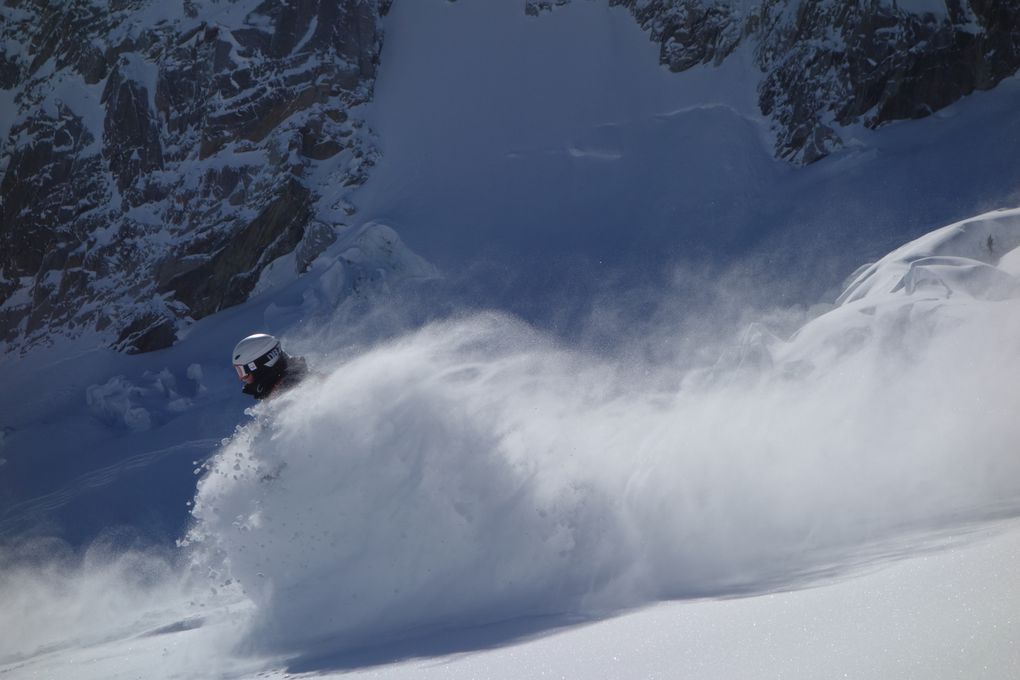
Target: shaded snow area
{"points": [[555, 151], [477, 486], [122, 403]]}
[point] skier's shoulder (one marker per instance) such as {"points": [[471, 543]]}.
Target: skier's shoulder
{"points": [[297, 371], [259, 390], [298, 366]]}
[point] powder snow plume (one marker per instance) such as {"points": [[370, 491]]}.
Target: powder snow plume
{"points": [[477, 470]]}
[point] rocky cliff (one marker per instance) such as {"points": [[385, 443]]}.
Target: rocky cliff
{"points": [[826, 64], [160, 155]]}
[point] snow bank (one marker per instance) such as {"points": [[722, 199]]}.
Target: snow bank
{"points": [[476, 471], [123, 403], [960, 258]]}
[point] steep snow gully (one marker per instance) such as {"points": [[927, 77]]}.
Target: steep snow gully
{"points": [[476, 471]]}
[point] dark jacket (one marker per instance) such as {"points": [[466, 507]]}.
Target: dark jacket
{"points": [[272, 380]]}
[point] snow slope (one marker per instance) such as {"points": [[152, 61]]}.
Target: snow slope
{"points": [[477, 471], [476, 493], [946, 613]]}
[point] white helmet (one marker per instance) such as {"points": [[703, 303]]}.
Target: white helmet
{"points": [[255, 352]]}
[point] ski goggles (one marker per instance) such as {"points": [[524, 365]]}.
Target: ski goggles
{"points": [[244, 370]]}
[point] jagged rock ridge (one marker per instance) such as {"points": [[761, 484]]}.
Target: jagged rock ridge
{"points": [[162, 155]]}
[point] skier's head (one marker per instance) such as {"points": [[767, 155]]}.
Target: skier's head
{"points": [[258, 355]]}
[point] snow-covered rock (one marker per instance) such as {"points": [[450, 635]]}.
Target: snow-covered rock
{"points": [[156, 158]]}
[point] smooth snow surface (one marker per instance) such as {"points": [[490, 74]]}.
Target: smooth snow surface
{"points": [[508, 136], [947, 612]]}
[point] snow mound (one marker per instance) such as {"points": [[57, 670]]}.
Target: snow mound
{"points": [[962, 258], [119, 402], [935, 286], [476, 471]]}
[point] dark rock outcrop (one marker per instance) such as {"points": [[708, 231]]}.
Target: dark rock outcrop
{"points": [[159, 159], [224, 278], [872, 63]]}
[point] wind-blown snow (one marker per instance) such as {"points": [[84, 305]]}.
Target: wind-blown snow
{"points": [[103, 594], [476, 471]]}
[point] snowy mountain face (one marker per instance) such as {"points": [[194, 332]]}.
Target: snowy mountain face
{"points": [[827, 65], [157, 159]]}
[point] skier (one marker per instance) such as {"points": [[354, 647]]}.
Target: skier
{"points": [[264, 367]]}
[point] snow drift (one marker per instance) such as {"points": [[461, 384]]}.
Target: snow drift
{"points": [[476, 470], [63, 601]]}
